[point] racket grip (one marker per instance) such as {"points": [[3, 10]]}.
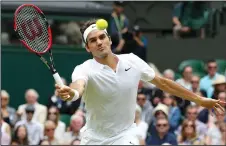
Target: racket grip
{"points": [[58, 79]]}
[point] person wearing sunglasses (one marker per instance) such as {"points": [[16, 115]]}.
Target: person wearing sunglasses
{"points": [[54, 115], [162, 136]]}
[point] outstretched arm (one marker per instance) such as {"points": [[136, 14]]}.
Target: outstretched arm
{"points": [[177, 90]]}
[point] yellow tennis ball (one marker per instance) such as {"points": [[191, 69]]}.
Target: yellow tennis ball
{"points": [[101, 24]]}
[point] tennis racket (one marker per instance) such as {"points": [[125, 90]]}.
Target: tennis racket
{"points": [[34, 32]]}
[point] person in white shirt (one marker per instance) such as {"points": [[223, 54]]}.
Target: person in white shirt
{"points": [[108, 85]]}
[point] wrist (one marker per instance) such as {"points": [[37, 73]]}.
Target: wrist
{"points": [[74, 95]]}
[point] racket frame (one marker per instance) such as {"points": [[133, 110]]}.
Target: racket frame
{"points": [[47, 25]]}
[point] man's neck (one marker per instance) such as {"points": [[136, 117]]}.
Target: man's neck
{"points": [[211, 75], [110, 61]]}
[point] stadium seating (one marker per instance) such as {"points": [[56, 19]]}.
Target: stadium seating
{"points": [[198, 66], [221, 63]]}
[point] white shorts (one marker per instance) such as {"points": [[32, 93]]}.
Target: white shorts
{"points": [[127, 137]]}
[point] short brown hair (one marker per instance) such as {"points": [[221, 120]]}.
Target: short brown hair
{"points": [[86, 25]]}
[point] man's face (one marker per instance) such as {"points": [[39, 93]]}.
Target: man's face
{"points": [[195, 82], [222, 96], [212, 68], [31, 97], [162, 126], [118, 9], [4, 100], [99, 44], [77, 124], [187, 72], [29, 115], [141, 99], [192, 114], [50, 129]]}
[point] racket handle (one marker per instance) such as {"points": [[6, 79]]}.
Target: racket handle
{"points": [[58, 79]]}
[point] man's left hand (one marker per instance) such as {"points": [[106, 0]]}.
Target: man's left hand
{"points": [[217, 105]]}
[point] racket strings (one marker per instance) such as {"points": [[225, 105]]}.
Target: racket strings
{"points": [[32, 29]]}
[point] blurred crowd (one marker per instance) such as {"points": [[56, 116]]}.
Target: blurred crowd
{"points": [[161, 118]]}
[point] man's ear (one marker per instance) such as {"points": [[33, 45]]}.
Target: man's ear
{"points": [[110, 39]]}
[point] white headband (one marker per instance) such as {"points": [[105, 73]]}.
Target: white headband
{"points": [[89, 29]]}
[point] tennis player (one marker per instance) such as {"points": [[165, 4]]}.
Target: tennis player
{"points": [[108, 84]]}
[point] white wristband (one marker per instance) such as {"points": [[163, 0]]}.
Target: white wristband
{"points": [[76, 95]]}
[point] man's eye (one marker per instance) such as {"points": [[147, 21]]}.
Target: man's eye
{"points": [[102, 37]]}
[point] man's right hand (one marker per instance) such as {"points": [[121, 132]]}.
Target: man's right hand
{"points": [[65, 93]]}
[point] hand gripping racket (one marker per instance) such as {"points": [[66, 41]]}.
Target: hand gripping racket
{"points": [[34, 32]]}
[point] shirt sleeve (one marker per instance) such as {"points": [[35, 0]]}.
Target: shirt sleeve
{"points": [[79, 73], [147, 73]]}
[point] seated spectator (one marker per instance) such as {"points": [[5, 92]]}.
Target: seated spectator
{"points": [[160, 111], [185, 81], [223, 133], [162, 136], [142, 126], [219, 86], [203, 114], [195, 86], [49, 130], [206, 81], [8, 113], [44, 142], [188, 135], [34, 128], [74, 130], [190, 18], [143, 89], [214, 135], [169, 74], [191, 115], [5, 132], [54, 115], [174, 112], [76, 142], [146, 107], [21, 135], [40, 113]]}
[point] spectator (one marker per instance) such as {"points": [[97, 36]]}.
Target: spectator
{"points": [[141, 43], [223, 133], [9, 113], [34, 129], [169, 74], [44, 142], [118, 26], [49, 130], [219, 86], [189, 134], [203, 114], [141, 126], [160, 111], [190, 18], [174, 112], [195, 86], [214, 135], [5, 132], [191, 115], [185, 81], [142, 89], [31, 97], [206, 81], [54, 115], [21, 135], [146, 107], [76, 142], [74, 130], [222, 96], [162, 136]]}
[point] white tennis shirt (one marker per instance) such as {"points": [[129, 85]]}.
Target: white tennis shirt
{"points": [[110, 97]]}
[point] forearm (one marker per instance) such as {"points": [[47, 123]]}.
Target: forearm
{"points": [[79, 85], [175, 89]]}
